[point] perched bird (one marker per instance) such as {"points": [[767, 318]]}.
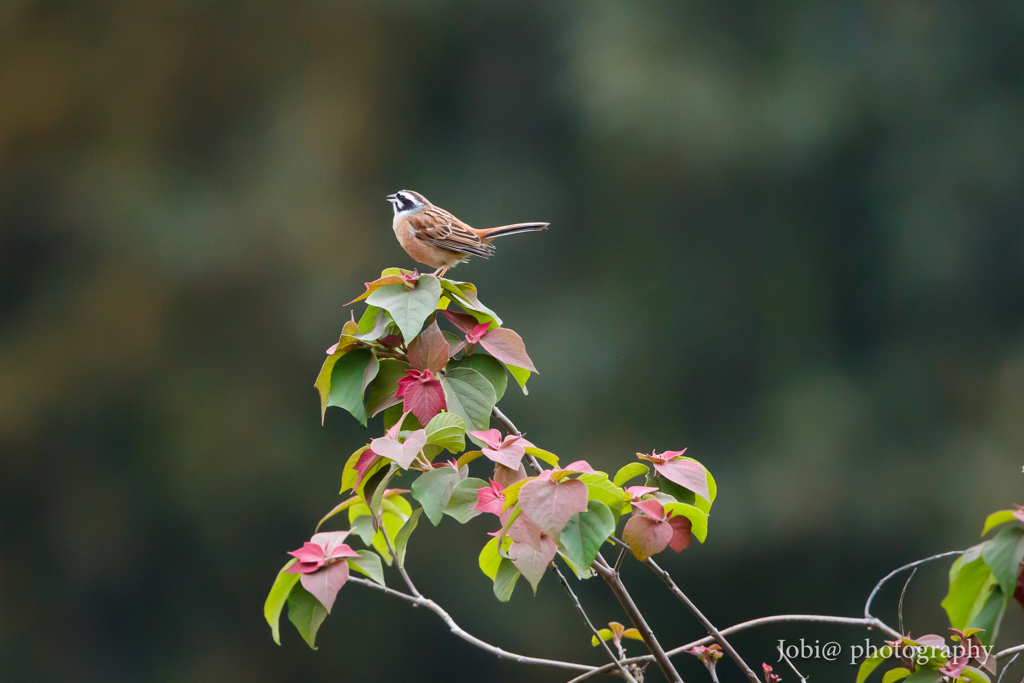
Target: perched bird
{"points": [[436, 238]]}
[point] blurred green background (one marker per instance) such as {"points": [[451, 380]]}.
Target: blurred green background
{"points": [[787, 236]]}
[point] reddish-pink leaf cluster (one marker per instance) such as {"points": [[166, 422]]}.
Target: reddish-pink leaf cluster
{"points": [[709, 655], [490, 499], [422, 393], [650, 532], [689, 474], [388, 446], [769, 677], [321, 562], [508, 451], [502, 343]]}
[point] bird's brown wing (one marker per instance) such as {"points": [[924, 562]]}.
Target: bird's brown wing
{"points": [[438, 227]]}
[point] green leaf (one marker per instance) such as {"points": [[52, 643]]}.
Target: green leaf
{"points": [[394, 413], [368, 563], [599, 487], [1003, 555], [378, 491], [633, 469], [464, 497], [990, 614], [893, 675], [997, 518], [698, 518], [969, 583], [447, 430], [337, 508], [924, 676], [488, 366], [490, 559], [363, 526], [433, 489], [306, 613], [470, 396], [586, 532], [382, 389], [973, 675], [348, 473], [505, 580], [392, 525], [541, 454], [278, 595], [350, 375], [402, 539], [373, 324], [409, 308], [465, 294], [605, 633], [870, 664], [521, 376]]}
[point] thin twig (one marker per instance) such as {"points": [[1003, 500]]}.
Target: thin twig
{"points": [[1016, 649], [1006, 668], [894, 572], [799, 675], [903, 594], [401, 569], [579, 608], [618, 560], [469, 638], [705, 622]]}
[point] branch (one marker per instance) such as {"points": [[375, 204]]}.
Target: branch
{"points": [[803, 679], [1010, 651], [576, 601], [894, 572], [705, 622], [469, 638], [1007, 668], [622, 595], [753, 623]]}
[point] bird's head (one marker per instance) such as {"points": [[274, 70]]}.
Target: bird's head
{"points": [[407, 202]]}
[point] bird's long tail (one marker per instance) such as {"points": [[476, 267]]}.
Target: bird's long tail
{"points": [[503, 230]]}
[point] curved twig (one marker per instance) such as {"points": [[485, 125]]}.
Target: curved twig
{"points": [[468, 637], [894, 572], [1016, 649], [1007, 668]]}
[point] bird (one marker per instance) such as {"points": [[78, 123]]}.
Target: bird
{"points": [[436, 238]]}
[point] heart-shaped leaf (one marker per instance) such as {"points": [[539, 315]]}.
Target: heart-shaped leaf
{"points": [[469, 395], [409, 308], [343, 379], [433, 490], [508, 347], [447, 430], [533, 562], [646, 536], [368, 564], [306, 612], [689, 474], [382, 389], [429, 350], [586, 532], [401, 453], [551, 504], [325, 583], [462, 504], [489, 367]]}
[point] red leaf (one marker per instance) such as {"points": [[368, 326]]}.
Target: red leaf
{"points": [[508, 347], [492, 437], [680, 532], [429, 350], [533, 562], [325, 584], [1018, 594], [463, 321], [365, 461], [490, 499], [646, 536], [422, 393], [552, 504], [687, 473]]}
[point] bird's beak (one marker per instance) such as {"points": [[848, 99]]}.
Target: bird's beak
{"points": [[391, 197]]}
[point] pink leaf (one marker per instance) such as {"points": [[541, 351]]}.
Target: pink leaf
{"points": [[463, 321], [364, 462], [533, 562], [652, 507], [330, 540], [309, 553], [325, 584], [552, 504], [423, 395], [639, 492], [508, 347], [492, 437], [525, 530], [687, 473], [490, 499], [581, 466], [401, 453], [680, 532], [478, 331], [429, 350], [646, 536]]}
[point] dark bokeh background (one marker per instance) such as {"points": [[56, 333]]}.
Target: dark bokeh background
{"points": [[787, 236]]}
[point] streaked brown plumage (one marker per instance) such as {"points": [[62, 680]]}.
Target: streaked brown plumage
{"points": [[436, 238]]}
